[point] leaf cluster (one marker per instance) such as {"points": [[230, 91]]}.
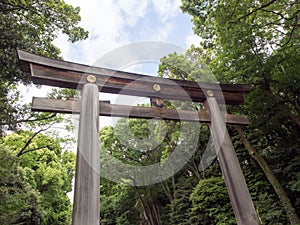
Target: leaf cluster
{"points": [[30, 25], [46, 170]]}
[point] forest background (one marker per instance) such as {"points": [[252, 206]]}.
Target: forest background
{"points": [[241, 41]]}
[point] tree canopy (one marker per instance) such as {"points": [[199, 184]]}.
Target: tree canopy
{"points": [[44, 174], [30, 25], [242, 42], [255, 43], [36, 172]]}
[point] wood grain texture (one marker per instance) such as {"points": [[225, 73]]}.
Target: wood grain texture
{"points": [[239, 195], [107, 109], [47, 71], [86, 207]]}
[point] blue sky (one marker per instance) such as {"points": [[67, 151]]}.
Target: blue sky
{"points": [[115, 23], [112, 24]]}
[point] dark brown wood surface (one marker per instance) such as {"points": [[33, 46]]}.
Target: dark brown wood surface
{"points": [[107, 109], [47, 71]]}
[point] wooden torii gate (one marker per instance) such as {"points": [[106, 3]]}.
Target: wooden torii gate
{"points": [[47, 71]]}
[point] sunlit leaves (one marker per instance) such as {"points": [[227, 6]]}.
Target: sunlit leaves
{"points": [[47, 169], [19, 200], [30, 25]]}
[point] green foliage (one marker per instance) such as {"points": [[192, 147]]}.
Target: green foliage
{"points": [[62, 93], [257, 42], [19, 201], [181, 204], [270, 211], [48, 170], [138, 141], [210, 197], [191, 65], [31, 26], [118, 204], [163, 203]]}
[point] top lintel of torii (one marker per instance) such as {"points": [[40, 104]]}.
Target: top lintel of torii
{"points": [[58, 73]]}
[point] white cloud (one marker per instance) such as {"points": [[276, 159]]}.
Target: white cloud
{"points": [[132, 10], [112, 24], [162, 33], [106, 28], [167, 8], [62, 43], [192, 39]]}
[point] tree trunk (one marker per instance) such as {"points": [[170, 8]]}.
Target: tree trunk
{"points": [[142, 205], [167, 191], [156, 212], [285, 201]]}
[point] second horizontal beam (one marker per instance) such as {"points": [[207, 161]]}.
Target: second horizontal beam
{"points": [[107, 109]]}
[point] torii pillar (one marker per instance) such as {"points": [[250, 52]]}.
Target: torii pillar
{"points": [[87, 174], [238, 192], [58, 73]]}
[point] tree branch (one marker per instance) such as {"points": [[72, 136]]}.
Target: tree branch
{"points": [[31, 150], [29, 120], [142, 204], [276, 13], [257, 9], [9, 10], [291, 34], [285, 201], [167, 191], [21, 152]]}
